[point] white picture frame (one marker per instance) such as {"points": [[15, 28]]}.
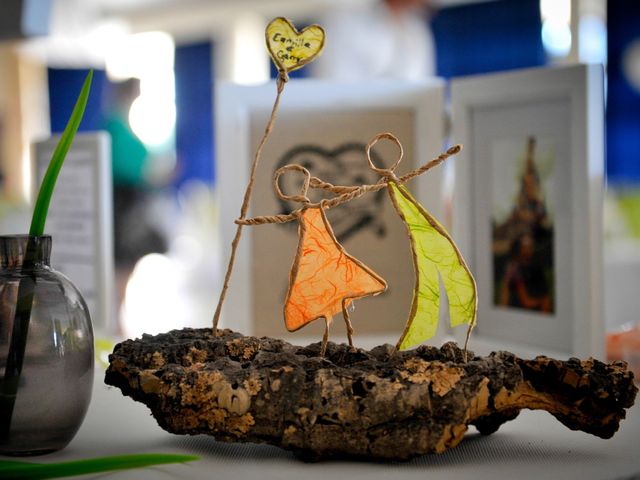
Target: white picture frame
{"points": [[561, 107], [235, 105], [80, 220]]}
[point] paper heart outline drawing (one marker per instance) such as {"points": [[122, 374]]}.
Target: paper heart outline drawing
{"points": [[290, 49]]}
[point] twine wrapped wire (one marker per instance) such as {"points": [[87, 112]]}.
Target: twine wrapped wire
{"points": [[301, 197], [348, 193], [317, 183], [282, 80], [345, 193]]}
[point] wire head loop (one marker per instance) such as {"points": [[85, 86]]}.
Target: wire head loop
{"points": [[385, 172], [302, 196]]}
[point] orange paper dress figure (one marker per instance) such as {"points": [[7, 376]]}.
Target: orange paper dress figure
{"points": [[324, 278]]}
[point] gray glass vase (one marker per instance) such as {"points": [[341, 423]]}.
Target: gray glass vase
{"points": [[46, 350]]}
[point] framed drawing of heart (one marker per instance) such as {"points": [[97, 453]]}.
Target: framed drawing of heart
{"points": [[324, 127]]}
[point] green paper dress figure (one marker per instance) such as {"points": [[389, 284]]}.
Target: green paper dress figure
{"points": [[435, 255]]}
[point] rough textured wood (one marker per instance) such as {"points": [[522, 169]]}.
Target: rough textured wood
{"points": [[375, 404]]}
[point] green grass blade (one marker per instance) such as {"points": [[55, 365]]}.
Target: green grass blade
{"points": [[22, 470], [49, 181]]}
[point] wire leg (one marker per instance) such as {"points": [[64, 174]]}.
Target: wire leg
{"points": [[325, 338], [347, 320]]}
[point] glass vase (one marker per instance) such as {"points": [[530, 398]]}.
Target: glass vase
{"points": [[46, 350]]}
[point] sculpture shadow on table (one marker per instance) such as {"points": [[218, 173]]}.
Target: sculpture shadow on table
{"points": [[476, 449]]}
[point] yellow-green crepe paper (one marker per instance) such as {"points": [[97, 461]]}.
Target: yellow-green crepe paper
{"points": [[433, 252]]}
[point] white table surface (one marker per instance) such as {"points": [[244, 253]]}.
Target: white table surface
{"points": [[535, 445]]}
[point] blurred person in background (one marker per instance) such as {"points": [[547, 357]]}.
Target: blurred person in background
{"points": [[134, 235], [386, 39]]}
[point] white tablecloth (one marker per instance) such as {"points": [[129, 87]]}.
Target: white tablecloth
{"points": [[534, 446]]}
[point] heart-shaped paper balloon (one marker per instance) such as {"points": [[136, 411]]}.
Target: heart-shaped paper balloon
{"points": [[291, 49]]}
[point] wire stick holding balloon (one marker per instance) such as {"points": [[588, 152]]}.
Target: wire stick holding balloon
{"points": [[289, 50]]}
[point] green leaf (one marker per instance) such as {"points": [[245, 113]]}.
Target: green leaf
{"points": [[49, 181], [434, 252], [25, 470]]}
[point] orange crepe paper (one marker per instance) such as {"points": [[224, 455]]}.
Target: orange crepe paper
{"points": [[324, 278]]}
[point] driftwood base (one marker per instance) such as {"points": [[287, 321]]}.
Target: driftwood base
{"points": [[374, 404]]}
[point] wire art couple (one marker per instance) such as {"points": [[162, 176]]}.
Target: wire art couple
{"points": [[325, 280]]}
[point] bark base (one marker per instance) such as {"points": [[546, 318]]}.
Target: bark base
{"points": [[377, 404]]}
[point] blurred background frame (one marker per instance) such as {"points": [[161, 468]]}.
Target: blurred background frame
{"points": [[562, 106]]}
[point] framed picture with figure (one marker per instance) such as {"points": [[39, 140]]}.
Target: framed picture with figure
{"points": [[324, 126], [527, 205]]}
